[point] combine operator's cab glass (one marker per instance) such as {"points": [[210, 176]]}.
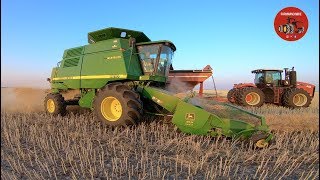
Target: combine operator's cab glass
{"points": [[148, 56], [155, 59], [164, 61]]}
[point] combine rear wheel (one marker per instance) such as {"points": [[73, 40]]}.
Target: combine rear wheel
{"points": [[295, 98], [250, 96], [231, 95], [54, 104], [118, 105]]}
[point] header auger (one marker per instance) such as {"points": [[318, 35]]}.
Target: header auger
{"points": [[121, 73]]}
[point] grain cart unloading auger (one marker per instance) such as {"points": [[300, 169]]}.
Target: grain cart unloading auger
{"points": [[121, 73]]}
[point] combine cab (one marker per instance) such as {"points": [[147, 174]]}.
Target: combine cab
{"points": [[269, 87], [121, 74]]}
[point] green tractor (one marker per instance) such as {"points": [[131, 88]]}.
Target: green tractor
{"points": [[121, 74]]}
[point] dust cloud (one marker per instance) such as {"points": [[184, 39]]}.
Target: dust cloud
{"points": [[28, 99], [22, 99], [179, 87]]}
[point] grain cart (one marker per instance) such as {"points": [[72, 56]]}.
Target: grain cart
{"points": [[269, 87], [121, 74]]}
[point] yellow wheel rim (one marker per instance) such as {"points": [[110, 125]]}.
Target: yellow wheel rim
{"points": [[262, 143], [299, 99], [252, 98], [111, 108], [50, 106]]}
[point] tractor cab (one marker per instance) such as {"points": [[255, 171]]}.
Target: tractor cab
{"points": [[267, 77], [273, 77]]}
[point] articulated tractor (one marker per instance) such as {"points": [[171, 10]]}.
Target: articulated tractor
{"points": [[270, 87]]}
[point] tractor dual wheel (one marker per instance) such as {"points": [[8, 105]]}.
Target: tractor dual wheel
{"points": [[296, 98], [231, 95], [250, 96], [55, 104], [117, 105]]}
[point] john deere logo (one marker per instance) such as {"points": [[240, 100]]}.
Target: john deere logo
{"points": [[190, 116]]}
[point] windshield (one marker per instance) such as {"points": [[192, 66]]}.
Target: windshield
{"points": [[165, 61], [149, 54], [272, 77], [259, 78]]}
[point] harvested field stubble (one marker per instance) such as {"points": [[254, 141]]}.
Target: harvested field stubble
{"points": [[37, 146], [77, 146]]}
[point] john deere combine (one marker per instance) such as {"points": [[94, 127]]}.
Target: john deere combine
{"points": [[122, 74]]}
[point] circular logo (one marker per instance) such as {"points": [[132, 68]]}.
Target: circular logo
{"points": [[291, 24]]}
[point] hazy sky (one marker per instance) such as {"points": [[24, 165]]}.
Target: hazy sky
{"points": [[234, 37]]}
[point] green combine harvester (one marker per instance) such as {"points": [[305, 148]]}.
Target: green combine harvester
{"points": [[121, 74]]}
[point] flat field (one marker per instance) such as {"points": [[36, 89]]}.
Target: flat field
{"points": [[76, 146]]}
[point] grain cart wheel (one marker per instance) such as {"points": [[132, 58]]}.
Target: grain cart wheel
{"points": [[250, 96], [117, 105], [231, 95], [54, 104], [295, 98]]}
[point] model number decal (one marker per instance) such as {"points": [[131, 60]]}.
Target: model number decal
{"points": [[156, 100], [113, 57]]}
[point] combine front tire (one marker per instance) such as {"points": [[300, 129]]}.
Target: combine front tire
{"points": [[296, 98], [117, 105], [231, 95], [54, 104], [250, 96]]}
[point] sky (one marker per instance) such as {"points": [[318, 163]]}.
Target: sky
{"points": [[233, 37]]}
